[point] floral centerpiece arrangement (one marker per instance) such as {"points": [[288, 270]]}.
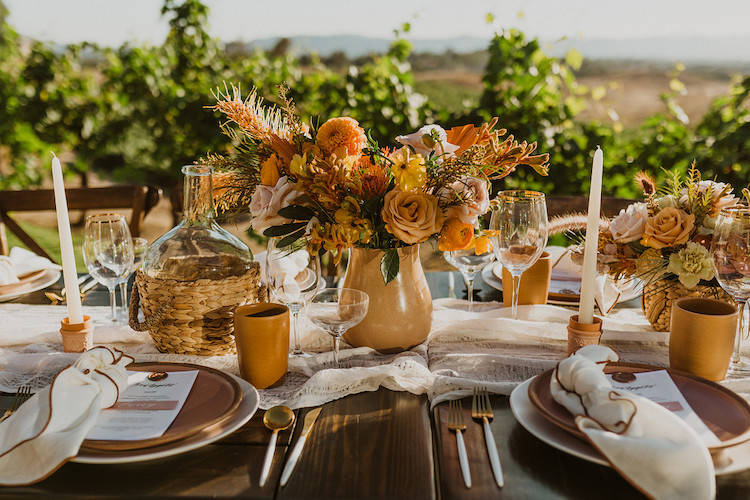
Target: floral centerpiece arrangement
{"points": [[337, 188], [665, 240]]}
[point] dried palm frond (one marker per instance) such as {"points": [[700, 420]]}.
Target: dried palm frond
{"points": [[572, 222]]}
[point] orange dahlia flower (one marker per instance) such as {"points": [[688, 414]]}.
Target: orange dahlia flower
{"points": [[456, 235], [343, 132]]}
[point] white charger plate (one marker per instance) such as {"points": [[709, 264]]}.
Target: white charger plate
{"points": [[240, 417], [49, 277], [734, 459]]}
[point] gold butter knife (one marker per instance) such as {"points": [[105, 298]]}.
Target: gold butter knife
{"points": [[297, 451]]}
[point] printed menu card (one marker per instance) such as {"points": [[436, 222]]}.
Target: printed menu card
{"points": [[146, 408]]}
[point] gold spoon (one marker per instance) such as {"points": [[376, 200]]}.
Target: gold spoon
{"points": [[277, 419]]}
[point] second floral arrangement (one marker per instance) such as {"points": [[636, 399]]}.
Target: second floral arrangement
{"points": [[336, 188]]}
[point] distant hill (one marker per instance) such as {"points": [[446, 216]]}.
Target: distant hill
{"points": [[704, 50]]}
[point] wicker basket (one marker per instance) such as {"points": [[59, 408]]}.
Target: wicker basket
{"points": [[658, 296], [193, 317]]}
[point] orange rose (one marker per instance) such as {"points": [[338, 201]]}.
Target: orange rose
{"points": [[411, 217], [341, 135], [456, 235], [669, 227], [269, 171]]}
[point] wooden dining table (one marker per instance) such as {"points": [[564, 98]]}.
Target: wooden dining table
{"points": [[371, 445]]}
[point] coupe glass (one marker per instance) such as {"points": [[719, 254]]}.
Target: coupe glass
{"points": [[520, 220], [731, 253], [108, 251], [336, 310], [469, 264], [140, 245], [293, 277]]}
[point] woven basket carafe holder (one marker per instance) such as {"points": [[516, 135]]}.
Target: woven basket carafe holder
{"points": [[193, 317]]}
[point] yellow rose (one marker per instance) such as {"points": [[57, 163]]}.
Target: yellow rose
{"points": [[269, 171], [411, 217], [669, 227]]}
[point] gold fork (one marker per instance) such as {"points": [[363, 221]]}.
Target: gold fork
{"points": [[482, 409], [22, 394], [456, 423]]}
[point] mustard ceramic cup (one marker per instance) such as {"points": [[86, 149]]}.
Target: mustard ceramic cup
{"points": [[534, 286], [701, 336], [261, 333]]}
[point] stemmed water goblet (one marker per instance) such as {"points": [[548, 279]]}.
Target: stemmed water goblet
{"points": [[731, 253], [469, 263], [336, 310], [140, 245], [520, 220], [108, 252], [293, 277]]}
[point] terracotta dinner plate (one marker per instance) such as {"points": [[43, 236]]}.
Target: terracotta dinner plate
{"points": [[22, 281], [723, 411], [213, 398]]}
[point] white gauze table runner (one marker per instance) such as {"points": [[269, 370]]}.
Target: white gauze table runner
{"points": [[464, 350]]}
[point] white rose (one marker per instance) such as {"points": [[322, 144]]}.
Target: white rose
{"points": [[476, 191], [267, 201], [630, 224], [667, 201], [714, 189], [429, 139]]}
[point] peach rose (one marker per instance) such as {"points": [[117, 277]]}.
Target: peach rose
{"points": [[669, 227], [411, 217]]}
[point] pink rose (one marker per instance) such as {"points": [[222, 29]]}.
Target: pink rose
{"points": [[267, 201], [476, 194]]}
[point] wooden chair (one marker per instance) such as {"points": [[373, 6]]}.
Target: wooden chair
{"points": [[138, 198], [560, 205]]}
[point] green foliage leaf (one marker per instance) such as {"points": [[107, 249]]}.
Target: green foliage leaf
{"points": [[574, 59], [284, 229], [296, 212], [389, 265], [288, 240]]}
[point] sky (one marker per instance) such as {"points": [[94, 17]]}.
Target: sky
{"points": [[112, 22]]}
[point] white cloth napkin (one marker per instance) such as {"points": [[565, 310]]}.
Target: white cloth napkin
{"points": [[21, 262], [648, 445], [49, 428], [285, 270]]}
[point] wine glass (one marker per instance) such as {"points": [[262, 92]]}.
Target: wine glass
{"points": [[108, 251], [140, 245], [521, 224], [731, 253], [336, 310], [293, 276], [469, 263]]}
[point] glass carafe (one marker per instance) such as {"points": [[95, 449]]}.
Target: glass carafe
{"points": [[198, 247]]}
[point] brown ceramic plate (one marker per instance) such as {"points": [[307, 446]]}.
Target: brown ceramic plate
{"points": [[22, 281], [213, 398], [723, 411]]}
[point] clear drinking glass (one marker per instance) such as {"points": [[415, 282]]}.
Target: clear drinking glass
{"points": [[469, 264], [293, 276], [731, 253], [336, 310], [521, 224], [108, 251], [140, 245]]}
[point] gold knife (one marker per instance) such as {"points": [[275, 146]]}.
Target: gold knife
{"points": [[297, 451]]}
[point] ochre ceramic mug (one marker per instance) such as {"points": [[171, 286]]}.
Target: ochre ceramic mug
{"points": [[701, 336], [261, 333], [534, 286]]}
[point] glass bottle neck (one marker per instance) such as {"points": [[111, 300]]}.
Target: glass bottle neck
{"points": [[198, 204]]}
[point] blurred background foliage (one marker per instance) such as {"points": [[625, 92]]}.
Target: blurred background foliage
{"points": [[137, 113]]}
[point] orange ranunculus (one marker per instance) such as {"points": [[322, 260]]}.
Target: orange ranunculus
{"points": [[269, 171], [456, 235], [482, 244], [343, 132]]}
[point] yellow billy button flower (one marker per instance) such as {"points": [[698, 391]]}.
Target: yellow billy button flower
{"points": [[298, 167], [408, 169], [269, 171]]}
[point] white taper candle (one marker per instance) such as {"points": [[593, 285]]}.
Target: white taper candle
{"points": [[590, 249], [70, 276]]}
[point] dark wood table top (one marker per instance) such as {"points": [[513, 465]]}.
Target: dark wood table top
{"points": [[379, 445]]}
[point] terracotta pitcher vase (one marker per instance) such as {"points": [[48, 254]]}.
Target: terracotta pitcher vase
{"points": [[400, 313]]}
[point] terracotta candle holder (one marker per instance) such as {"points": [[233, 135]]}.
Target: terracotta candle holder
{"points": [[583, 334], [77, 337]]}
